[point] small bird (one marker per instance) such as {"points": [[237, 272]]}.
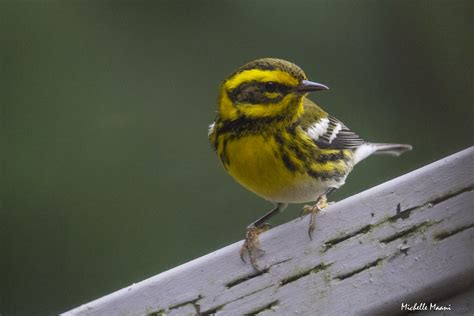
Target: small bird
{"points": [[282, 146]]}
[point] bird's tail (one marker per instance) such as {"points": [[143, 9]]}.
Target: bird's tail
{"points": [[367, 149], [391, 149]]}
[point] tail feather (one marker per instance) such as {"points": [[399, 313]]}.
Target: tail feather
{"points": [[367, 149], [392, 149]]}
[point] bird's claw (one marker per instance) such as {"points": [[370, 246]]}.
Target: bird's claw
{"points": [[312, 210], [251, 244]]}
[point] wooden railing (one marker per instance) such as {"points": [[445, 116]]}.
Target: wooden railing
{"points": [[409, 240]]}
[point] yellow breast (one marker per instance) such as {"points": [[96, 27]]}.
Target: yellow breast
{"points": [[256, 163]]}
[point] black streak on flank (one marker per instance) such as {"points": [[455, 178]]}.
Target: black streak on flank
{"points": [[284, 156], [336, 176], [223, 155], [279, 140], [297, 150], [332, 157], [288, 163]]}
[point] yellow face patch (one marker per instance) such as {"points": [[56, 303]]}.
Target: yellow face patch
{"points": [[265, 110], [227, 109], [287, 105], [272, 95]]}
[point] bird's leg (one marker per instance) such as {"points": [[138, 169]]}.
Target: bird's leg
{"points": [[251, 243], [321, 202]]}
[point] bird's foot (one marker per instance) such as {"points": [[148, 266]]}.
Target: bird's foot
{"points": [[312, 210], [251, 244]]}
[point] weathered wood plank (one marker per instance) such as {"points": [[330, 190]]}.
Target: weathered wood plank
{"points": [[408, 240]]}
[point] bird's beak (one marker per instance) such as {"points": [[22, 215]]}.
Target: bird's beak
{"points": [[309, 86]]}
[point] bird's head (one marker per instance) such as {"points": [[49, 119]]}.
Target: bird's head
{"points": [[267, 88]]}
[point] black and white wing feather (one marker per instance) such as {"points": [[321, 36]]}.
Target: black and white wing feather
{"points": [[330, 133]]}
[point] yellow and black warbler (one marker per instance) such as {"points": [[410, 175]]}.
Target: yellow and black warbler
{"points": [[279, 144]]}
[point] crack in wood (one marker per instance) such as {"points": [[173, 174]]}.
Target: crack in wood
{"points": [[254, 275], [449, 195], [246, 278], [332, 242], [409, 220], [407, 212], [359, 270], [192, 302], [241, 280], [161, 312], [320, 267], [409, 231], [263, 308], [218, 308], [445, 234], [212, 311], [403, 214]]}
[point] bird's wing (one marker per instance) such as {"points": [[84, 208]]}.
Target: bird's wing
{"points": [[327, 131]]}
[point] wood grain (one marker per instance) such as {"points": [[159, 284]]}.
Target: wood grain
{"points": [[408, 240]]}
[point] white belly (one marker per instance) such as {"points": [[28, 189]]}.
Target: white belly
{"points": [[306, 192]]}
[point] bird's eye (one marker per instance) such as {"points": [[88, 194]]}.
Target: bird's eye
{"points": [[270, 86]]}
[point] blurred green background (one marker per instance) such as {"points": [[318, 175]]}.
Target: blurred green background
{"points": [[107, 174]]}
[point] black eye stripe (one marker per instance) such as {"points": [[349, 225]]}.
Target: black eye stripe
{"points": [[276, 87], [261, 86], [254, 92], [270, 86]]}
